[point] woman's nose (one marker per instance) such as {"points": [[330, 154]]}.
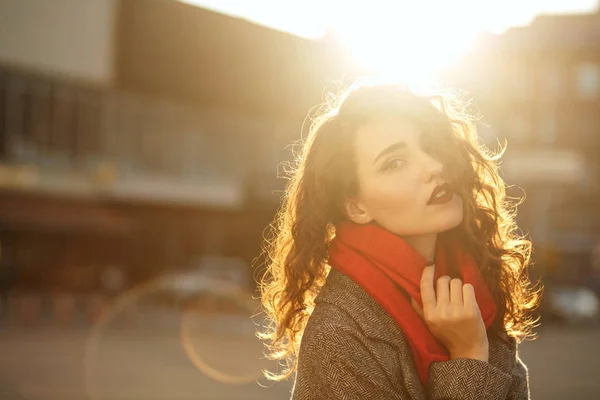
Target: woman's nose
{"points": [[431, 167]]}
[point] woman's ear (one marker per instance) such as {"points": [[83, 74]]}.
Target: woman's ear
{"points": [[357, 212]]}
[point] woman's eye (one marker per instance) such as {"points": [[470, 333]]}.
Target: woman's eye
{"points": [[394, 164]]}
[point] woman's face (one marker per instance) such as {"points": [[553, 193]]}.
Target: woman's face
{"points": [[400, 186]]}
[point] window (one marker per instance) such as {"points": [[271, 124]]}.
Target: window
{"points": [[547, 128], [3, 97], [19, 144], [40, 114], [518, 80], [518, 129], [586, 127], [551, 82], [88, 126], [588, 80]]}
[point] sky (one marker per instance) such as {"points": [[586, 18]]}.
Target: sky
{"points": [[409, 37]]}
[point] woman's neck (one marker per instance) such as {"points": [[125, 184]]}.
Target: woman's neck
{"points": [[423, 244]]}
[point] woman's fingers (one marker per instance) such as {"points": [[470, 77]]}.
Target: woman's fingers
{"points": [[469, 298], [427, 290], [456, 293], [447, 294], [455, 319], [442, 297]]}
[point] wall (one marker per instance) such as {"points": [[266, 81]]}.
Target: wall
{"points": [[65, 37]]}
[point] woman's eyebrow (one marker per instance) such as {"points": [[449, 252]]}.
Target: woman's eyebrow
{"points": [[390, 149]]}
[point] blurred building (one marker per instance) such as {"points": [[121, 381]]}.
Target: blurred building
{"points": [[538, 86], [143, 134]]}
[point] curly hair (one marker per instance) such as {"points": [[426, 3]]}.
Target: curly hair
{"points": [[320, 181]]}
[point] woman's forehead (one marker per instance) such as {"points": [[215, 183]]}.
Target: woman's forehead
{"points": [[377, 134]]}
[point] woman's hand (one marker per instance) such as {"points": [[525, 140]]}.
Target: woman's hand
{"points": [[453, 316]]}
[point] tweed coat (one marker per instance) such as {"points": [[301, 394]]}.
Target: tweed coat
{"points": [[352, 349]]}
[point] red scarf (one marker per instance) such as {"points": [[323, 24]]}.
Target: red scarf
{"points": [[379, 261]]}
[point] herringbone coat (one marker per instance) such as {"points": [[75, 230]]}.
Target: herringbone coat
{"points": [[352, 349]]}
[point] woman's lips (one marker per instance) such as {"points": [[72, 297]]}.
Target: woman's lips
{"points": [[441, 195]]}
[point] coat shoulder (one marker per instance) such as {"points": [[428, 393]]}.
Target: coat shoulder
{"points": [[335, 352], [349, 325]]}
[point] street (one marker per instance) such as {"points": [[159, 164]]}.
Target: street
{"points": [[564, 363], [119, 364]]}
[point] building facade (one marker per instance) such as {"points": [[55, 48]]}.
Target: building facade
{"points": [[143, 134], [538, 88]]}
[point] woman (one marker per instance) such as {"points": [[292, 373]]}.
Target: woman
{"points": [[395, 271]]}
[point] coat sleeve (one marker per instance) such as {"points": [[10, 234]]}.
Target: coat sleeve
{"points": [[336, 365], [468, 379]]}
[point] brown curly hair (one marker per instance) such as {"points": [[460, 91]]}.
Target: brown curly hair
{"points": [[296, 252]]}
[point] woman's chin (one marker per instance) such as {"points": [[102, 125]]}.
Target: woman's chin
{"points": [[451, 222]]}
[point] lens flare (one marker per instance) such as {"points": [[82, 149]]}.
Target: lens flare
{"points": [[240, 297]]}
